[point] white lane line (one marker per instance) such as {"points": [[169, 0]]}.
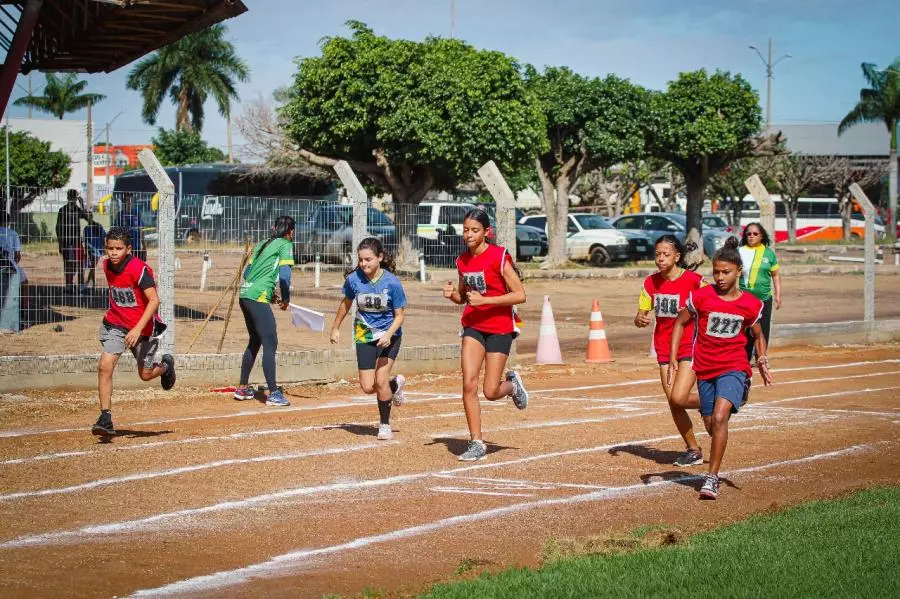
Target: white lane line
{"points": [[434, 397], [524, 484], [477, 492], [285, 564], [889, 414], [627, 398], [142, 524], [141, 476], [543, 424], [819, 396]]}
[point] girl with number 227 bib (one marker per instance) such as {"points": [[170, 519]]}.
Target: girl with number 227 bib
{"points": [[380, 301], [721, 313], [489, 286]]}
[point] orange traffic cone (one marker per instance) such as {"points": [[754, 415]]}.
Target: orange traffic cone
{"points": [[548, 351], [598, 348]]}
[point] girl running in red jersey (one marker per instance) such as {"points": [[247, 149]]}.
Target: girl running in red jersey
{"points": [[489, 286], [665, 293], [721, 313]]}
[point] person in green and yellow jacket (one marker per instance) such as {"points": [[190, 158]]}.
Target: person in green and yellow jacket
{"points": [[760, 276]]}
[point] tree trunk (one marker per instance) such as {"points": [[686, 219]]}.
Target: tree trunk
{"points": [[556, 235], [694, 188], [737, 210], [892, 185], [792, 209], [846, 207], [406, 226], [182, 119]]}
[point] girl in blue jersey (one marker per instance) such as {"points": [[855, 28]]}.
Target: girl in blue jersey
{"points": [[380, 301]]}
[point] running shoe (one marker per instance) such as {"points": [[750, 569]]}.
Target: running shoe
{"points": [[276, 398], [476, 450], [244, 393], [104, 426], [167, 380], [385, 433], [710, 488], [691, 457], [519, 395], [399, 397]]}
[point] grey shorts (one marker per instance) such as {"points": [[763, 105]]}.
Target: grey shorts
{"points": [[113, 342]]}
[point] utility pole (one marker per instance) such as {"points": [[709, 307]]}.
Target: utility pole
{"points": [[8, 198], [230, 159], [452, 19], [108, 158], [90, 159], [770, 69]]}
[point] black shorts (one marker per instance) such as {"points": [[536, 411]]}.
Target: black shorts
{"points": [[494, 343], [367, 354]]}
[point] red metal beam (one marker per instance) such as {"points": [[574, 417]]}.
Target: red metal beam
{"points": [[20, 41]]}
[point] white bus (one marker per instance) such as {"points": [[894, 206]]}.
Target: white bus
{"points": [[818, 219]]}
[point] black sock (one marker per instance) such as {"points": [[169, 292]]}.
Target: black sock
{"points": [[393, 385], [107, 413], [384, 411]]}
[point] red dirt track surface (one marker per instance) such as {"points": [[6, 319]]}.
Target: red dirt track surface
{"points": [[203, 496]]}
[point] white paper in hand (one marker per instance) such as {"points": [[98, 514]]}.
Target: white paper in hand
{"points": [[305, 318]]}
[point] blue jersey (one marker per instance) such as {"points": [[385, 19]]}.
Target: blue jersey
{"points": [[375, 304]]}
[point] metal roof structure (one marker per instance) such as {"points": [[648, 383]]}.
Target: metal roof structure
{"points": [[867, 140], [94, 36]]}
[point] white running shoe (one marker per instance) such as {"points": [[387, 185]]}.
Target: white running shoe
{"points": [[385, 433], [399, 397]]}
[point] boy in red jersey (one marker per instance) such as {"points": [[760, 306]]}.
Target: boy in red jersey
{"points": [[130, 323], [721, 313], [489, 286], [665, 293]]}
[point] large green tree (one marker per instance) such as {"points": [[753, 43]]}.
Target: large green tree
{"points": [[880, 103], [62, 95], [701, 124], [189, 71], [33, 167], [176, 148], [591, 123], [411, 116]]}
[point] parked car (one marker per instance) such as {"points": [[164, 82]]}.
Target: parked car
{"points": [[591, 238], [328, 233], [657, 224], [714, 221], [439, 220]]}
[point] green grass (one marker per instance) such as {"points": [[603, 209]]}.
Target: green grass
{"points": [[842, 548]]}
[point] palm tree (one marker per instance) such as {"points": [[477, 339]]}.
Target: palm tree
{"points": [[61, 95], [880, 103], [190, 70]]}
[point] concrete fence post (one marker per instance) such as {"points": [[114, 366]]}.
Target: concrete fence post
{"points": [[766, 205], [869, 285], [165, 226], [506, 205]]}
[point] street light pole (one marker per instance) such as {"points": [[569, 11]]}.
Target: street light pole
{"points": [[770, 69]]}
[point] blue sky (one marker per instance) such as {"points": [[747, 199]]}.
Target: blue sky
{"points": [[647, 41]]}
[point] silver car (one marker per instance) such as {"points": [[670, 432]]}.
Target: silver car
{"points": [[657, 224]]}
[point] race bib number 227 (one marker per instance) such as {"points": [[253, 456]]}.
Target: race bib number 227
{"points": [[724, 326]]}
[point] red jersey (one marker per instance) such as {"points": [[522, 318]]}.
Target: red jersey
{"points": [[127, 300], [484, 274], [720, 342], [667, 299]]}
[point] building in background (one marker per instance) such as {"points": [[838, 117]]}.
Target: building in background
{"points": [[67, 135], [111, 161]]}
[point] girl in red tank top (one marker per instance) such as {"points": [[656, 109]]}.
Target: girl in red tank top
{"points": [[489, 287], [721, 313], [665, 293]]}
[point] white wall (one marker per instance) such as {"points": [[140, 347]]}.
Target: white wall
{"points": [[67, 135]]}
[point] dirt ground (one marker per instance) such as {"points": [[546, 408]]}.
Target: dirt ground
{"points": [[200, 495], [430, 319]]}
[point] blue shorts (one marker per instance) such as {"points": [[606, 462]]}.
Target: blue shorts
{"points": [[734, 386]]}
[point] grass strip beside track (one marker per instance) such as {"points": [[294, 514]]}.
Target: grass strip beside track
{"points": [[840, 548]]}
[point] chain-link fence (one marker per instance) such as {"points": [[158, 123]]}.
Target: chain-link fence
{"points": [[54, 293]]}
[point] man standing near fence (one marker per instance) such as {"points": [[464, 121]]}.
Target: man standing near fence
{"points": [[129, 217], [68, 237]]}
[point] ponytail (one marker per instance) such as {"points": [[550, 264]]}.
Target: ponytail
{"points": [[729, 253], [283, 225]]}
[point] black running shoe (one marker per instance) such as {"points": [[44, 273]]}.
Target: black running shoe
{"points": [[104, 426], [167, 380]]}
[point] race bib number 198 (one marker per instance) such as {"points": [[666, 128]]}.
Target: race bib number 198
{"points": [[665, 305], [475, 281], [724, 326]]}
